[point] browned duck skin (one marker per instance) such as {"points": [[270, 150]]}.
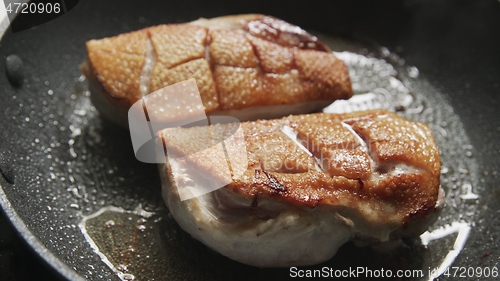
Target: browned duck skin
{"points": [[310, 184], [246, 66]]}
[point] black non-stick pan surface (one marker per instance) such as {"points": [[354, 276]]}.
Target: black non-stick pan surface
{"points": [[71, 184]]}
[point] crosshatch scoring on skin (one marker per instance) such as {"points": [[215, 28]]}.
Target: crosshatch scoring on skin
{"points": [[180, 105]]}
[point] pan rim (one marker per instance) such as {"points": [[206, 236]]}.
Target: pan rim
{"points": [[35, 244], [22, 229]]}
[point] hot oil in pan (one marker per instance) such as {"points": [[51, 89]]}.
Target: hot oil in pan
{"points": [[144, 245], [127, 241]]}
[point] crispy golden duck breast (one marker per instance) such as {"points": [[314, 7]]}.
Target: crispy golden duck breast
{"points": [[248, 66], [311, 181]]}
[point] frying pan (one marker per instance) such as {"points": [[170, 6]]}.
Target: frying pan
{"points": [[61, 162]]}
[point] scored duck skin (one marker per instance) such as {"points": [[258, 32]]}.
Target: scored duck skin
{"points": [[312, 183], [247, 66]]}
